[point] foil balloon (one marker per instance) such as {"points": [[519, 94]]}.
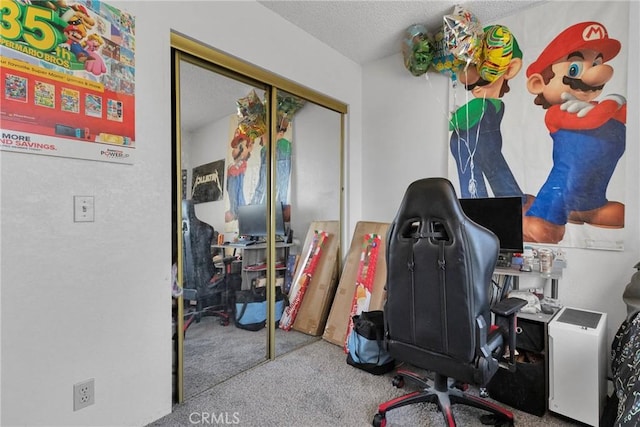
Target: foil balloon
{"points": [[251, 112], [287, 107], [463, 35], [417, 49], [443, 60], [497, 51]]}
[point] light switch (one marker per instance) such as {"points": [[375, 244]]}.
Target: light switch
{"points": [[83, 209]]}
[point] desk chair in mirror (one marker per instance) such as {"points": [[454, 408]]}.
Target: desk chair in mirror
{"points": [[206, 285]]}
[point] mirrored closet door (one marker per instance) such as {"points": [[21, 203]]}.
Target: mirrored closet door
{"points": [[256, 168]]}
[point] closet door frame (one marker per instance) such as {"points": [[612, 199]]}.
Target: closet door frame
{"points": [[185, 49]]}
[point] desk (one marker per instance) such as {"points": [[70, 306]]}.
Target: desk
{"points": [[515, 273], [254, 265]]}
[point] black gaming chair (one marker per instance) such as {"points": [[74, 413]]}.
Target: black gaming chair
{"points": [[437, 314], [204, 284]]}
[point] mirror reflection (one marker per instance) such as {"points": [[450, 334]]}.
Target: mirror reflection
{"points": [[214, 159], [226, 157]]}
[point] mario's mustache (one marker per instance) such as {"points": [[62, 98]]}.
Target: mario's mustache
{"points": [[577, 84]]}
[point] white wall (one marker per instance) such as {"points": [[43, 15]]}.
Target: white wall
{"points": [[315, 175], [208, 144], [405, 137], [92, 300]]}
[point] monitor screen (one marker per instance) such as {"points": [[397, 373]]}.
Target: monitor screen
{"points": [[501, 215], [252, 221]]}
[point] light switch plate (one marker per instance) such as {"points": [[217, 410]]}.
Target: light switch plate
{"points": [[83, 209]]}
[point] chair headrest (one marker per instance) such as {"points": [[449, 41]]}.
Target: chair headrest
{"points": [[431, 198]]}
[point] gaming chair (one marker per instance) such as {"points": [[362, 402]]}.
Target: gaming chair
{"points": [[201, 283], [437, 313]]}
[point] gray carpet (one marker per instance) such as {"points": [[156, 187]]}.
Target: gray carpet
{"points": [[313, 386], [214, 353]]}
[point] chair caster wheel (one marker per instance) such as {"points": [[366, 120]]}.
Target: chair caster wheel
{"points": [[493, 420], [224, 322], [379, 420], [464, 387], [398, 381]]}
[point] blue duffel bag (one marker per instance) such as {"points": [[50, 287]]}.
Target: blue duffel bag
{"points": [[251, 308], [366, 344]]}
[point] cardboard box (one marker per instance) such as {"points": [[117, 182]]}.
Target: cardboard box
{"points": [[338, 320], [316, 304]]}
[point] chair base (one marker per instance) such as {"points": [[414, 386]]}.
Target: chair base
{"points": [[216, 304], [444, 396], [192, 317], [223, 311]]}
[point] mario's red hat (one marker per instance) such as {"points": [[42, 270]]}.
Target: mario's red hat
{"points": [[585, 35]]}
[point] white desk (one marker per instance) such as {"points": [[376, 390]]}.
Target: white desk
{"points": [[254, 256], [515, 273]]}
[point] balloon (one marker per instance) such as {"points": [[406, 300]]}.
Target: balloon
{"points": [[250, 105], [252, 115], [443, 61], [288, 105], [497, 51], [417, 49], [463, 35]]}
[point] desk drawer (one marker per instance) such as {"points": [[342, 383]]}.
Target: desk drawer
{"points": [[530, 335]]}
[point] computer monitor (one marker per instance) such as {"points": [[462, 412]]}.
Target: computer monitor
{"points": [[252, 221], [502, 216]]}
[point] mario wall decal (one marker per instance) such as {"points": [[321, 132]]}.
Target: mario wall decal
{"points": [[588, 135]]}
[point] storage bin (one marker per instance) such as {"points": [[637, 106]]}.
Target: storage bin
{"points": [[523, 389], [530, 335]]}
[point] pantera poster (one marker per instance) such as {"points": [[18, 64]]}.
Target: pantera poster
{"points": [[68, 79], [549, 124]]}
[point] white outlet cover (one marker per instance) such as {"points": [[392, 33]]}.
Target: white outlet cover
{"points": [[83, 394]]}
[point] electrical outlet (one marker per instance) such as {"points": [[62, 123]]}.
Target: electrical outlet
{"points": [[83, 394]]}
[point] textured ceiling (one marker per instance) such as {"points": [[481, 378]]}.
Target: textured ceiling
{"points": [[368, 30], [362, 31]]}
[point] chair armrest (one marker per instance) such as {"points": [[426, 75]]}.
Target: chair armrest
{"points": [[229, 259], [508, 306], [505, 312], [189, 294], [486, 340], [481, 336]]}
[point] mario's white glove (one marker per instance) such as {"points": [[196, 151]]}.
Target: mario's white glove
{"points": [[573, 105], [619, 99]]}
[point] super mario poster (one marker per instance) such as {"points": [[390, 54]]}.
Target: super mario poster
{"points": [[67, 77], [246, 171], [552, 127]]}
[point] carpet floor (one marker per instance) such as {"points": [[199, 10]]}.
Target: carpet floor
{"points": [[313, 386], [214, 353]]}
